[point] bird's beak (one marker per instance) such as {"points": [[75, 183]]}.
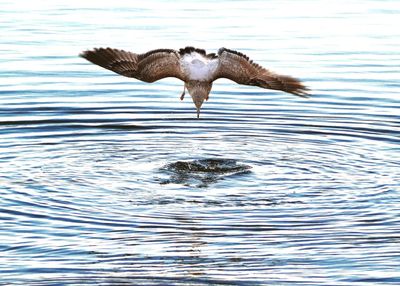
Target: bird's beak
{"points": [[198, 102]]}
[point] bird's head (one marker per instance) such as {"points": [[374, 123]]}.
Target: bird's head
{"points": [[199, 91]]}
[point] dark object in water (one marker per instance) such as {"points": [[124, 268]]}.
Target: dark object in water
{"points": [[205, 171]]}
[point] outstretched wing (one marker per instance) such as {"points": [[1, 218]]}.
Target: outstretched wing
{"points": [[239, 68], [148, 67]]}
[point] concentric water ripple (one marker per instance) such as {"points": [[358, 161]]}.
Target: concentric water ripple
{"points": [[109, 181]]}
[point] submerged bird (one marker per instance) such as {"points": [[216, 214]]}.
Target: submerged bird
{"points": [[197, 69]]}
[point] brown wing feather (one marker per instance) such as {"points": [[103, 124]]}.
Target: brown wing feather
{"points": [[148, 67], [239, 68]]}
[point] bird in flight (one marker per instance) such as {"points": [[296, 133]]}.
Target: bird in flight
{"points": [[197, 69]]}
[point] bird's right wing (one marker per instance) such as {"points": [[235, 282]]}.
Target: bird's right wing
{"points": [[239, 68], [148, 67]]}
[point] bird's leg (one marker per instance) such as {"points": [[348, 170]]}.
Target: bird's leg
{"points": [[183, 93]]}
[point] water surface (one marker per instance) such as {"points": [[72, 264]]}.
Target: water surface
{"points": [[106, 180]]}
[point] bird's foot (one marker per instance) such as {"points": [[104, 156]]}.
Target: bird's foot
{"points": [[183, 93]]}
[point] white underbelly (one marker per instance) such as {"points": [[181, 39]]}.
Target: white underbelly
{"points": [[197, 67]]}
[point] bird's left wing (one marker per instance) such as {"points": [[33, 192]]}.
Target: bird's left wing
{"points": [[148, 67], [239, 68]]}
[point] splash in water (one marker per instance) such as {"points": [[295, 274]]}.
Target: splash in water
{"points": [[203, 172]]}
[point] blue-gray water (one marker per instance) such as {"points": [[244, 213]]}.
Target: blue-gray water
{"points": [[106, 180]]}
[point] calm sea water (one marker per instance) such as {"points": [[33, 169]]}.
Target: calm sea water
{"points": [[106, 180]]}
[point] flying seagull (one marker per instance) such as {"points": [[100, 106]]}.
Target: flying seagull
{"points": [[197, 69]]}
